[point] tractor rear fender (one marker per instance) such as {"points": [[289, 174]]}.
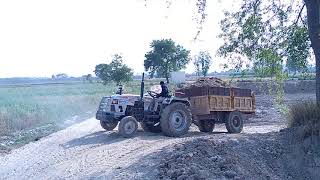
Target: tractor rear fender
{"points": [[171, 100]]}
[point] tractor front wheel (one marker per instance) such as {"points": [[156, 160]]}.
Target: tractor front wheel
{"points": [[109, 126], [128, 126]]}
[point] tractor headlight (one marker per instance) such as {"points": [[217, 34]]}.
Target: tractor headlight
{"points": [[115, 101]]}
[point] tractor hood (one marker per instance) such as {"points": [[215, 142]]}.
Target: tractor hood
{"points": [[127, 95], [127, 98]]}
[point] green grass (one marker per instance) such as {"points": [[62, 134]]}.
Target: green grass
{"points": [[23, 107], [307, 116]]}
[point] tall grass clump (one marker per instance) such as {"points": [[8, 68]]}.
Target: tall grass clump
{"points": [[307, 116]]}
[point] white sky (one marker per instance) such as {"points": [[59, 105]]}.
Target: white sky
{"points": [[39, 38]]}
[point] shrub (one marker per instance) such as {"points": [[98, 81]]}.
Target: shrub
{"points": [[306, 115]]}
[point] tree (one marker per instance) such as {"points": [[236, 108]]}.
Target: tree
{"points": [[313, 14], [268, 63], [265, 24], [202, 62], [87, 77], [115, 71], [297, 56], [165, 57], [259, 32]]}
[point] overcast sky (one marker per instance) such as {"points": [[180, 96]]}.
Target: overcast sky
{"points": [[39, 38]]}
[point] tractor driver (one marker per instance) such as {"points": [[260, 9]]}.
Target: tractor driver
{"points": [[164, 90], [160, 97], [120, 90]]}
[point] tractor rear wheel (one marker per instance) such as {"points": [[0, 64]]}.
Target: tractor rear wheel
{"points": [[175, 119], [206, 125], [128, 126], [109, 126], [234, 122], [154, 128]]}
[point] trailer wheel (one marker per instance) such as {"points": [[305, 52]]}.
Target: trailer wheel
{"points": [[234, 122], [109, 126], [206, 125], [175, 119], [128, 126], [154, 128]]}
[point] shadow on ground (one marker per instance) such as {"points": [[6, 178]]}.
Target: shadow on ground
{"points": [[105, 137]]}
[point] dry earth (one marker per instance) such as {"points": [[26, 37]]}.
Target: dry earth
{"points": [[85, 151]]}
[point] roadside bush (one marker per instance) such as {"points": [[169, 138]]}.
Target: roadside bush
{"points": [[307, 116]]}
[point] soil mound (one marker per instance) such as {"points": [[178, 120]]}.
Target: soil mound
{"points": [[210, 81], [210, 86], [262, 156]]}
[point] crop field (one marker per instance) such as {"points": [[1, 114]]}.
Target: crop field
{"points": [[29, 106]]}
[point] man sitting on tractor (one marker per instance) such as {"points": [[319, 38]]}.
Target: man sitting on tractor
{"points": [[120, 90], [160, 97], [164, 90]]}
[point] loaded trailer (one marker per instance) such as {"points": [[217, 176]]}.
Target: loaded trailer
{"points": [[212, 105]]}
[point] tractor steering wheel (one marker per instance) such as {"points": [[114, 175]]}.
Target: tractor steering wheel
{"points": [[152, 94]]}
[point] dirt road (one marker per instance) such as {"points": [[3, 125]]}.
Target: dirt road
{"points": [[85, 151]]}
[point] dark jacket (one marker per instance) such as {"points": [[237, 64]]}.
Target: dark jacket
{"points": [[164, 91]]}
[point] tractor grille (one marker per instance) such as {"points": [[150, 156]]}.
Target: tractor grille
{"points": [[113, 108], [104, 104]]}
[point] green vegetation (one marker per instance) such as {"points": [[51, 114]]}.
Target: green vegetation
{"points": [[116, 71], [250, 35], [165, 57], [297, 54], [24, 107], [306, 115], [268, 33], [264, 34], [202, 63]]}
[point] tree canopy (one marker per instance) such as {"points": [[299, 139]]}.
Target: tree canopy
{"points": [[165, 57], [202, 62], [279, 26], [296, 50], [115, 71], [265, 31]]}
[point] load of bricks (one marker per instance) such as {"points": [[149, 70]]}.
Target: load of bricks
{"points": [[211, 86]]}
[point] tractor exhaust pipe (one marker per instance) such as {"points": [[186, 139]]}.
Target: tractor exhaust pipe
{"points": [[142, 87]]}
